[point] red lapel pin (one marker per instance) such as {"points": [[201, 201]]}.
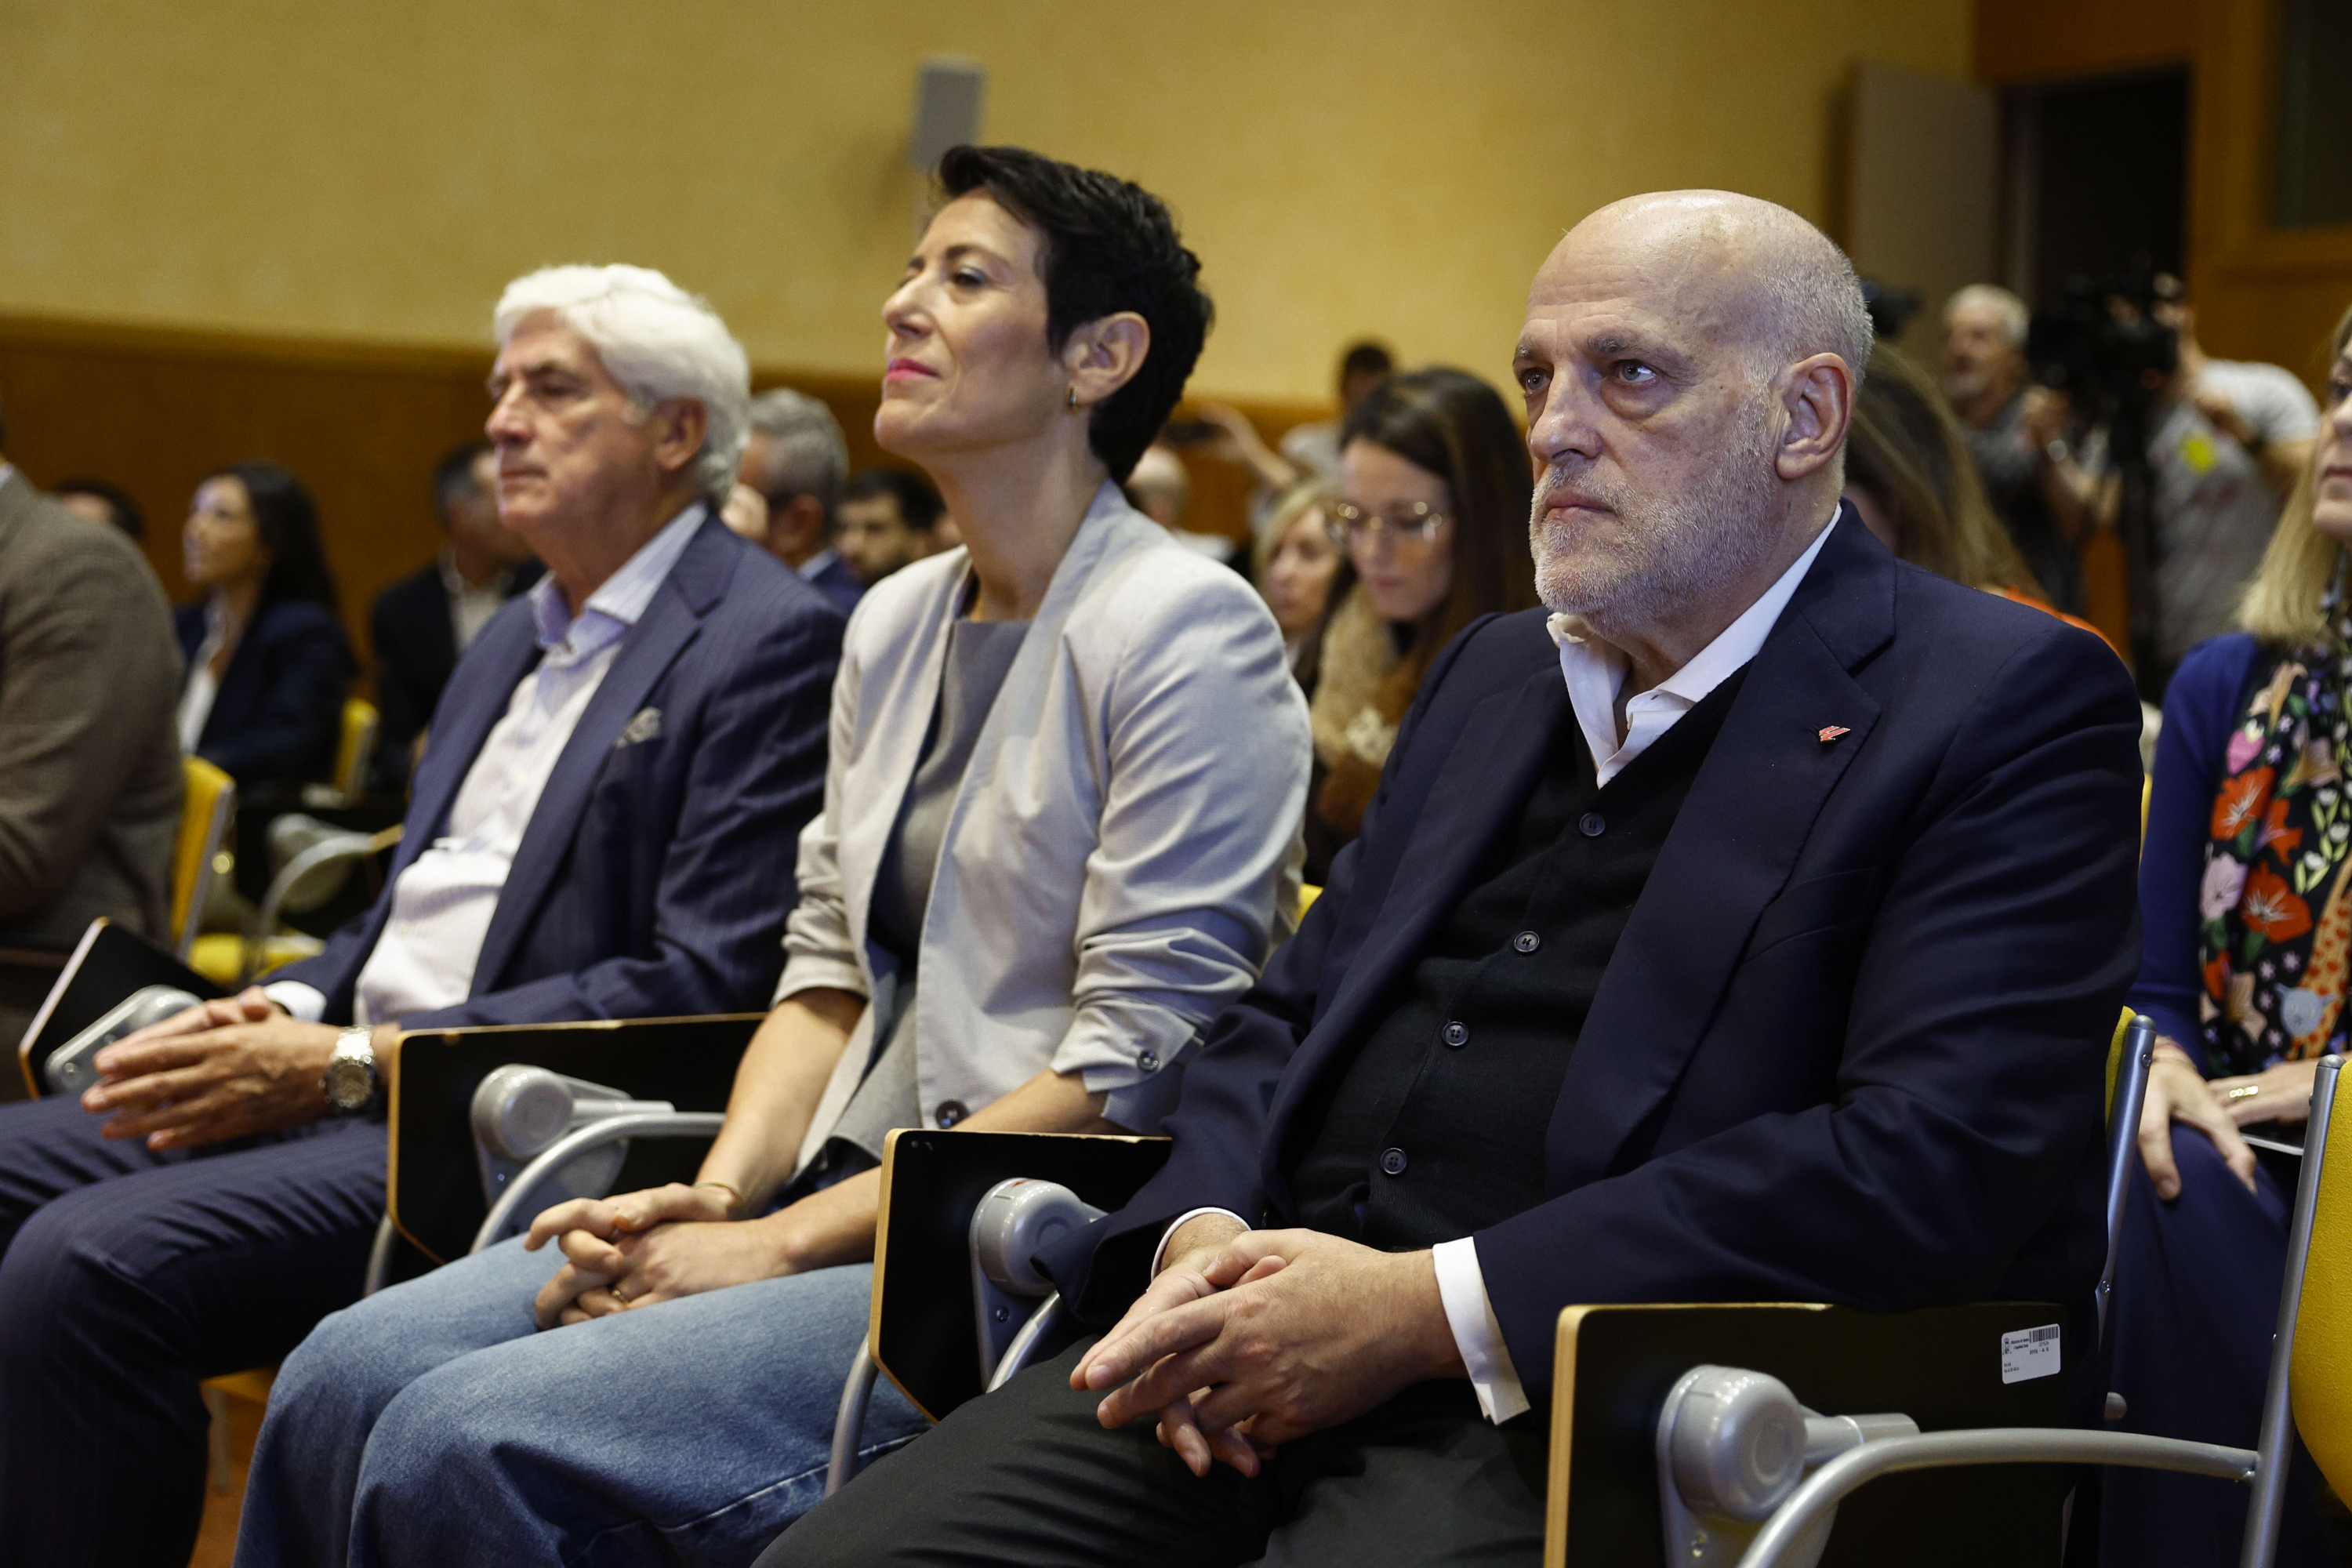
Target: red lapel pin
{"points": [[1832, 732]]}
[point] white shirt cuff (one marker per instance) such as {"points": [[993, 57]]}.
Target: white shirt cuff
{"points": [[1178, 1224], [1461, 1286], [306, 1003]]}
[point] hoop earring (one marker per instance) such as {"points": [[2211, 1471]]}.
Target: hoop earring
{"points": [[1074, 400]]}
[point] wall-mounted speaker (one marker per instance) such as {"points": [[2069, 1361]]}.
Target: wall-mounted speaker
{"points": [[948, 94]]}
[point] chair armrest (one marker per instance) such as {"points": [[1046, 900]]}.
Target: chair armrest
{"points": [[433, 1191], [921, 1328], [528, 1193]]}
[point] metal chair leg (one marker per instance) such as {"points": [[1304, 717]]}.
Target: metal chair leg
{"points": [[849, 1421]]}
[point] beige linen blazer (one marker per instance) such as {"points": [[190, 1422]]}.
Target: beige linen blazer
{"points": [[1116, 856]]}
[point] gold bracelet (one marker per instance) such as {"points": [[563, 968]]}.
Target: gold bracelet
{"points": [[736, 1198]]}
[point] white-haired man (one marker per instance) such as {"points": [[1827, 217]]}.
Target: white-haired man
{"points": [[2012, 429], [603, 827], [798, 462], [1707, 942]]}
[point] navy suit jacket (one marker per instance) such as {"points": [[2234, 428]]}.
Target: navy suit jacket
{"points": [[656, 873], [836, 582], [415, 653], [279, 716], [1851, 1045]]}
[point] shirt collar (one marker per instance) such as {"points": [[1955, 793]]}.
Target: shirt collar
{"points": [[810, 568], [1594, 669], [454, 581], [619, 602]]}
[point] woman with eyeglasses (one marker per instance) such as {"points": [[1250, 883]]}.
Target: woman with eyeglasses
{"points": [[1433, 518]]}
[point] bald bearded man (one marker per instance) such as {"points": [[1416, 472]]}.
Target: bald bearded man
{"points": [[1746, 926]]}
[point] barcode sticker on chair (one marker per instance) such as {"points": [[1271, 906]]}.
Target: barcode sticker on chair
{"points": [[2029, 1353]]}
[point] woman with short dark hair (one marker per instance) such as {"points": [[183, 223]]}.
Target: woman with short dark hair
{"points": [[267, 659], [1432, 514], [1066, 768]]}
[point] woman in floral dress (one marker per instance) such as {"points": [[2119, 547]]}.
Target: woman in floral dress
{"points": [[2246, 896]]}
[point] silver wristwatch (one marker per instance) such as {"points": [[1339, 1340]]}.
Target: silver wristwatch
{"points": [[352, 1083]]}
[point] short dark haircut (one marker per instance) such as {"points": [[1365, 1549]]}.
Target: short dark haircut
{"points": [[1454, 425], [288, 520], [920, 505], [119, 504], [1109, 245], [1365, 358], [453, 476]]}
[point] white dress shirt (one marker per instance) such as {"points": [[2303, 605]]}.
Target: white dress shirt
{"points": [[1593, 670], [810, 568], [197, 697], [442, 904]]}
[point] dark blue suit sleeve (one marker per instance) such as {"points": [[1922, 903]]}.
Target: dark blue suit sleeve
{"points": [[1965, 1094], [756, 778], [1219, 1123], [2201, 708], [284, 724]]}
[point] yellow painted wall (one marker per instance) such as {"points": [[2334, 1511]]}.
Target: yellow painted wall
{"points": [[375, 172]]}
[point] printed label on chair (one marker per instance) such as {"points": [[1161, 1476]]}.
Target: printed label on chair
{"points": [[2029, 1353]]}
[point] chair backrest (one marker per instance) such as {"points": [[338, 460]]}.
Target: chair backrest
{"points": [[358, 744], [2320, 1361], [203, 825]]}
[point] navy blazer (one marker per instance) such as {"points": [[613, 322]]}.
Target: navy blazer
{"points": [[1851, 1045], [279, 716], [836, 582], [415, 652], [656, 873]]}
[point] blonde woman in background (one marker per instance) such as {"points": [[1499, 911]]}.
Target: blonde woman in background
{"points": [[2246, 934], [1298, 571]]}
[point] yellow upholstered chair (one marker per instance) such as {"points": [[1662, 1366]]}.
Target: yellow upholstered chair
{"points": [[204, 815], [358, 744]]}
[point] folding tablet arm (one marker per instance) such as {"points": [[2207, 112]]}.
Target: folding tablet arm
{"points": [[1017, 1314]]}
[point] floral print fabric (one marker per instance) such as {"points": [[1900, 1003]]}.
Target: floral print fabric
{"points": [[2274, 917]]}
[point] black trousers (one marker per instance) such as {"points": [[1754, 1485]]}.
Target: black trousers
{"points": [[126, 1277], [1027, 1476]]}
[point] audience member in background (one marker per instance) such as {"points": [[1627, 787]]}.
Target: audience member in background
{"points": [[267, 660], [1034, 881], [2228, 444], [2246, 900], [1908, 474], [601, 829], [423, 622], [102, 502], [889, 518], [1587, 1016], [1432, 513], [1162, 491], [1297, 566], [2010, 426], [1309, 451], [798, 461], [90, 768]]}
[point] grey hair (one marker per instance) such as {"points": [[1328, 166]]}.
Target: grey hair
{"points": [[2016, 321], [1815, 298], [807, 456], [654, 338]]}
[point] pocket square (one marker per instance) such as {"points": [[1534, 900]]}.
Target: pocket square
{"points": [[645, 726]]}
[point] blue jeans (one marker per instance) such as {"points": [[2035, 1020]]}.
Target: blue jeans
{"points": [[431, 1423]]}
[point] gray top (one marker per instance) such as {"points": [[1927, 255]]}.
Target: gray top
{"points": [[979, 655]]}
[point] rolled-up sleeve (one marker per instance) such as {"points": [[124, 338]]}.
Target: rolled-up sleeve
{"points": [[1206, 753], [818, 951]]}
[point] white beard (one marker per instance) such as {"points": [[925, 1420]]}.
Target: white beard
{"points": [[1672, 550]]}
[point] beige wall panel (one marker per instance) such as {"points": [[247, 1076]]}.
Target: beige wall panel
{"points": [[1922, 206], [323, 168]]}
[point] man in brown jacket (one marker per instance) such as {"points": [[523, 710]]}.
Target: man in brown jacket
{"points": [[90, 769]]}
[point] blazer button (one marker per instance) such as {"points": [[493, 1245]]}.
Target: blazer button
{"points": [[1148, 1061], [949, 1112], [1591, 824], [1527, 942], [1454, 1035], [1393, 1162]]}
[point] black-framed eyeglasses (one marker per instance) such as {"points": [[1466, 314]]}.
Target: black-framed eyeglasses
{"points": [[1419, 523]]}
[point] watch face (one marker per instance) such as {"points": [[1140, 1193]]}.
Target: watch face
{"points": [[349, 1083]]}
